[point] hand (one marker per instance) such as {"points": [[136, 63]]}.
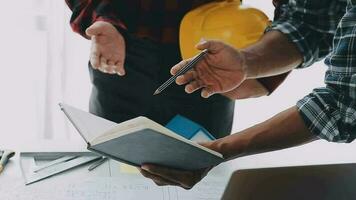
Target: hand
{"points": [[250, 88], [220, 71], [166, 176], [107, 49]]}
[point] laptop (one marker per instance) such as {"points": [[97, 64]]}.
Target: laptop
{"points": [[320, 182]]}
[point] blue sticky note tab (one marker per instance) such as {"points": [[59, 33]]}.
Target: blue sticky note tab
{"points": [[187, 128]]}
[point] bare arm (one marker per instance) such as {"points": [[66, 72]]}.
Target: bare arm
{"points": [[274, 54], [251, 88], [286, 129], [261, 61]]}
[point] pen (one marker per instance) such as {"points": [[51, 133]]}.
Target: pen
{"points": [[6, 155], [185, 69]]}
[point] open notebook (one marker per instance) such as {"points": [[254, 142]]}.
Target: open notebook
{"points": [[140, 140]]}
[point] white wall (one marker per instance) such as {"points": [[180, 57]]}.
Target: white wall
{"points": [[38, 49]]}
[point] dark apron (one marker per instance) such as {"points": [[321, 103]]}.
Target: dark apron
{"points": [[147, 66]]}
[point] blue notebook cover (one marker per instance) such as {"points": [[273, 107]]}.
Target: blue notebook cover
{"points": [[186, 127]]}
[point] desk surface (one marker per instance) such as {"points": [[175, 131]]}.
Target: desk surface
{"points": [[107, 183], [111, 180]]}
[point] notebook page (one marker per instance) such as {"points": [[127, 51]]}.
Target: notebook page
{"points": [[88, 125]]}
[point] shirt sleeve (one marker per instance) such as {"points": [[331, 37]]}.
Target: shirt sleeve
{"points": [[329, 115], [86, 12], [310, 25], [330, 112]]}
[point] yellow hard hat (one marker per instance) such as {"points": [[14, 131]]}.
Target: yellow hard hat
{"points": [[228, 21]]}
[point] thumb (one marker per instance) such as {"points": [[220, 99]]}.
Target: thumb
{"points": [[94, 29], [213, 46], [208, 145]]}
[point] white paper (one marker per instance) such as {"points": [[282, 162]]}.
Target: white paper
{"points": [[89, 125], [111, 181]]}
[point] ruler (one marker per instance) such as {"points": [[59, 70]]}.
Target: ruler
{"points": [[59, 167]]}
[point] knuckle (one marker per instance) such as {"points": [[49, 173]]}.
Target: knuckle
{"points": [[94, 64], [144, 174], [159, 183], [186, 187], [95, 53], [194, 74], [199, 82], [103, 58], [101, 70]]}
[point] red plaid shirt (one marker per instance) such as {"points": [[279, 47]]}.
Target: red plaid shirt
{"points": [[156, 19]]}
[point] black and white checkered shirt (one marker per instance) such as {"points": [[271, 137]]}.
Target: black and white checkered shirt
{"points": [[319, 29]]}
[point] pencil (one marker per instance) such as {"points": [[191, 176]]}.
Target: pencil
{"points": [[182, 71]]}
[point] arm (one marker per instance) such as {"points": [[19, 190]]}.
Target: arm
{"points": [[274, 54], [328, 113], [248, 89], [284, 130], [252, 88], [262, 86], [296, 126], [310, 25], [296, 39]]}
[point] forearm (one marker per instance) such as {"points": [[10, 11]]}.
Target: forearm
{"points": [[284, 130], [274, 54], [248, 89]]}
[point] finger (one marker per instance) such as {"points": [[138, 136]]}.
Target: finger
{"points": [[103, 64], [179, 66], [111, 67], [157, 179], [119, 65], [94, 60], [193, 86], [119, 68], [183, 178], [94, 54], [94, 29], [187, 77], [213, 145], [207, 92], [213, 46], [208, 145], [94, 39]]}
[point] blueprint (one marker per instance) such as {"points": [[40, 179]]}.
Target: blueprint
{"points": [[110, 181]]}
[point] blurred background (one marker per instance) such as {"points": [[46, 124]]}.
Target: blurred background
{"points": [[43, 63]]}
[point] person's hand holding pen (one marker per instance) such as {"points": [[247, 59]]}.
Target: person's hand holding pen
{"points": [[107, 52], [221, 70]]}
